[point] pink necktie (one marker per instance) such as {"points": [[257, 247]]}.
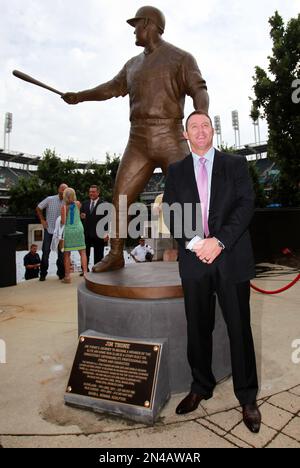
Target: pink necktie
{"points": [[202, 183]]}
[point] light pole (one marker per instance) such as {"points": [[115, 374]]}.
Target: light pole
{"points": [[256, 130], [218, 130], [7, 128], [236, 127], [255, 114]]}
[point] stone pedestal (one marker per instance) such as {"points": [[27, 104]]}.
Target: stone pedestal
{"points": [[145, 301]]}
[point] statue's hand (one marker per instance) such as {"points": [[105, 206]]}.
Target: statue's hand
{"points": [[70, 98]]}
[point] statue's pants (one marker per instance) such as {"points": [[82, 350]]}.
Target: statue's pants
{"points": [[152, 143]]}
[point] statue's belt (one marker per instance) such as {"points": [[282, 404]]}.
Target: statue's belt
{"points": [[156, 121]]}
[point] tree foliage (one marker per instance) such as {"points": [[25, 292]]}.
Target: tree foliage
{"points": [[275, 100], [52, 171], [260, 197], [26, 195]]}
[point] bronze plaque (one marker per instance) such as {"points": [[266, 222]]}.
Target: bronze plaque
{"points": [[38, 235], [123, 372]]}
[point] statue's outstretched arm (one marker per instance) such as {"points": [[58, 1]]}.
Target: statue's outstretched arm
{"points": [[113, 88]]}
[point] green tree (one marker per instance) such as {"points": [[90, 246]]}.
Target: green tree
{"points": [[52, 171], [25, 196], [228, 149], [274, 91], [260, 197]]}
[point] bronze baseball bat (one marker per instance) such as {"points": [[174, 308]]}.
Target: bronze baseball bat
{"points": [[28, 78]]}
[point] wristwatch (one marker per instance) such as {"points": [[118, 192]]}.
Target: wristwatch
{"points": [[220, 244]]}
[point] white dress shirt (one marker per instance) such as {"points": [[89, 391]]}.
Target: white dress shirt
{"points": [[210, 157]]}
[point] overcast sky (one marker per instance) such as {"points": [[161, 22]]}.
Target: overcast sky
{"points": [[74, 45]]}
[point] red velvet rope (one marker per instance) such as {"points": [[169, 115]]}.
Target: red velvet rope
{"points": [[290, 285]]}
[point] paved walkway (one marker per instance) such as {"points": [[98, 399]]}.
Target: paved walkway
{"points": [[38, 322]]}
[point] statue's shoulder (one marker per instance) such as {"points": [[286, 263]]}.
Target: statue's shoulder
{"points": [[136, 58], [176, 51]]}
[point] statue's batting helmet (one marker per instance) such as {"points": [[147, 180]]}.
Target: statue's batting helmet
{"points": [[151, 13]]}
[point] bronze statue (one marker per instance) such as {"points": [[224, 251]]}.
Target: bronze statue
{"points": [[157, 82]]}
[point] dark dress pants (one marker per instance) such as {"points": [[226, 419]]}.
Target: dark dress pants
{"points": [[234, 300], [98, 245], [45, 258]]}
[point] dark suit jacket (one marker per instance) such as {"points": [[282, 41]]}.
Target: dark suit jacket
{"points": [[91, 220], [231, 209]]}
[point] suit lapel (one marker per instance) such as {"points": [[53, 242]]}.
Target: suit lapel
{"points": [[191, 196], [216, 182], [190, 178]]}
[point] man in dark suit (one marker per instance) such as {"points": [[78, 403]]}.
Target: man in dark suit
{"points": [[214, 256], [89, 217]]}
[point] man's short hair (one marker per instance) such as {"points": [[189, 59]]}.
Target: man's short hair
{"points": [[197, 113], [33, 245], [95, 187]]}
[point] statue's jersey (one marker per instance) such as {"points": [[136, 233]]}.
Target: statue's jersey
{"points": [[157, 83]]}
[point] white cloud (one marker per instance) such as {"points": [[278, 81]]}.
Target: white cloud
{"points": [[75, 45]]}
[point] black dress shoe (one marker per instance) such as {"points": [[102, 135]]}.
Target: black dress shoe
{"points": [[252, 417], [42, 278], [189, 403]]}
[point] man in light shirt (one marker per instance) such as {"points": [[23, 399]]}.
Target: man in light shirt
{"points": [[142, 252], [52, 205], [218, 259]]}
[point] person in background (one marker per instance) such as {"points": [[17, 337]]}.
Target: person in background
{"points": [[163, 231], [32, 263], [52, 205], [73, 232], [142, 252], [90, 219]]}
